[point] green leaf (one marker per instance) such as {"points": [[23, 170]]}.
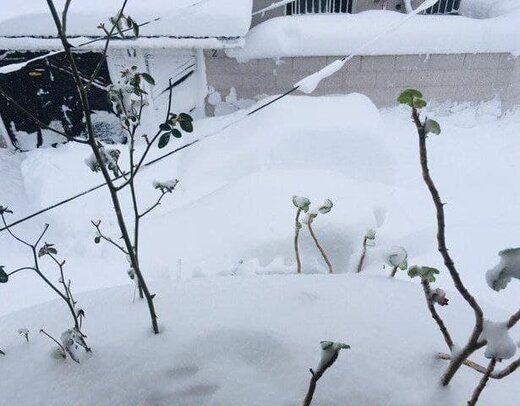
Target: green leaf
{"points": [[432, 126], [148, 78], [408, 97], [176, 133], [425, 272], [419, 103], [186, 126], [185, 117], [4, 278], [164, 140], [165, 127]]}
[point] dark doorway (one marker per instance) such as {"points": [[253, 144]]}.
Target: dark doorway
{"points": [[46, 88]]}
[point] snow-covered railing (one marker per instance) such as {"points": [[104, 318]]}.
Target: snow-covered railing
{"points": [[444, 7], [321, 7]]}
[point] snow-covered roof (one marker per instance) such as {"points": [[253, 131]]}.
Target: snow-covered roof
{"points": [[338, 35], [177, 18]]}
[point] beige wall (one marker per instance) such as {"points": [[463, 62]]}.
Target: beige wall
{"points": [[457, 77]]}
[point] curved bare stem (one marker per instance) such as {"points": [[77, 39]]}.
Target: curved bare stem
{"points": [[297, 226], [322, 251], [363, 255]]}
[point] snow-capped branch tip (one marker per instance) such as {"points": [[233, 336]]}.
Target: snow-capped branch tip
{"points": [[166, 186], [508, 268], [329, 354], [301, 203], [397, 257], [500, 344]]}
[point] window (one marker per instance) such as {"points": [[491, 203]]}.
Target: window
{"points": [[444, 7], [320, 6]]}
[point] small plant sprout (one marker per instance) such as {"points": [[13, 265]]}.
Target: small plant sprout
{"points": [[368, 241], [493, 336], [397, 258], [301, 204], [329, 354], [24, 332], [509, 267]]}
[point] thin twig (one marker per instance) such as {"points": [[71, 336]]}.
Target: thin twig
{"points": [[483, 382], [435, 315]]}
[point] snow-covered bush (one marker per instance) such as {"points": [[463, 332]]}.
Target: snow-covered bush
{"points": [[493, 336], [303, 204], [62, 288], [129, 100]]}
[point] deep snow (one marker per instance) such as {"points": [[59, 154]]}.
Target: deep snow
{"points": [[254, 337], [245, 341]]}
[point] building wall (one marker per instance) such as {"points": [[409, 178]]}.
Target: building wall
{"points": [[457, 77]]}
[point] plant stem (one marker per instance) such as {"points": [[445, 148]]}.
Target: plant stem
{"points": [[394, 271], [297, 226], [329, 265], [85, 104], [363, 255], [315, 377], [457, 361], [483, 382], [435, 315]]}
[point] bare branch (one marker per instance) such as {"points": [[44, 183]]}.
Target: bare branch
{"points": [[479, 368], [483, 382], [443, 249], [435, 314], [108, 239]]}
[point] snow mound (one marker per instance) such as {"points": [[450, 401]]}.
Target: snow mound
{"points": [[243, 341], [179, 18]]}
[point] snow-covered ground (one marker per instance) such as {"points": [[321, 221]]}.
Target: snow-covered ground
{"points": [[242, 332]]}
